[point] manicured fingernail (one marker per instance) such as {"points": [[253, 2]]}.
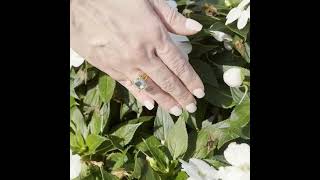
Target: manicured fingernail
{"points": [[175, 110], [193, 25], [149, 105], [199, 93], [191, 108]]}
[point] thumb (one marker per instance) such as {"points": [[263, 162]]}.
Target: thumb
{"points": [[174, 21]]}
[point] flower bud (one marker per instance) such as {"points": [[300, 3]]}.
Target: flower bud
{"points": [[233, 77]]}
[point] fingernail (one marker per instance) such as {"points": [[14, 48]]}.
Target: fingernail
{"points": [[149, 105], [193, 25], [199, 93], [191, 108], [176, 111]]}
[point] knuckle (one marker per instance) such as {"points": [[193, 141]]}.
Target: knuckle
{"points": [[172, 14], [168, 85], [180, 66]]}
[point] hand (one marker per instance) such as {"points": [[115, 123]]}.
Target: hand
{"points": [[125, 38]]}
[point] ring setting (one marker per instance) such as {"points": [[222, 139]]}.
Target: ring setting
{"points": [[140, 82]]}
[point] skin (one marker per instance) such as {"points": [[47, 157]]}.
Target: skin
{"points": [[125, 38]]}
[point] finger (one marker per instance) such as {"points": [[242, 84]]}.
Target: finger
{"points": [[173, 20], [163, 99], [169, 83], [178, 63], [141, 96]]}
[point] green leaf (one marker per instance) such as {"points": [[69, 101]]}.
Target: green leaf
{"points": [[205, 20], [241, 48], [93, 142], [177, 141], [92, 98], [161, 161], [247, 46], [199, 49], [100, 119], [182, 176], [140, 119], [205, 144], [119, 159], [206, 72], [231, 128], [192, 121], [72, 91], [238, 95], [72, 102], [192, 139], [107, 176], [130, 104], [162, 124], [138, 166], [243, 32], [126, 132], [77, 143], [79, 78], [218, 26], [143, 147], [220, 97], [106, 87], [228, 58], [77, 117], [149, 174]]}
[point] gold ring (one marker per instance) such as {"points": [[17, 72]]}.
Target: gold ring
{"points": [[141, 81]]}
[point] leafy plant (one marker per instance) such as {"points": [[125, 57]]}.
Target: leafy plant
{"points": [[117, 138]]}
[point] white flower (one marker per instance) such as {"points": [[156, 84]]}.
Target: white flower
{"points": [[182, 42], [233, 77], [238, 155], [75, 59], [75, 165], [221, 36], [240, 14], [172, 4], [199, 170], [233, 173]]}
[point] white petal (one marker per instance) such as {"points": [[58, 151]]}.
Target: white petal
{"points": [[172, 4], [232, 77], [233, 173], [75, 165], [75, 59], [243, 20], [178, 38], [204, 168], [238, 154], [221, 36], [186, 47], [233, 15], [243, 3], [227, 45], [248, 11], [190, 169]]}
